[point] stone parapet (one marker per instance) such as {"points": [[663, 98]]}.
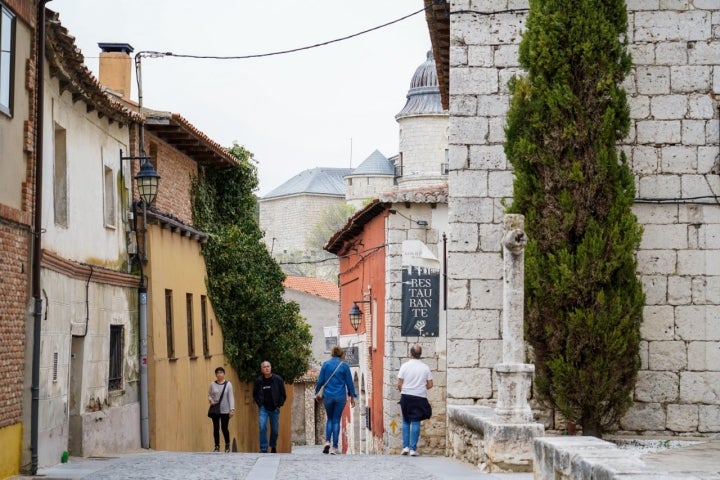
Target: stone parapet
{"points": [[478, 436]]}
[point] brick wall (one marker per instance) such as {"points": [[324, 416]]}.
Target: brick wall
{"points": [[673, 150], [176, 171], [15, 242], [14, 293]]}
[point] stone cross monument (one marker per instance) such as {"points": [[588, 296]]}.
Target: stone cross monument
{"points": [[514, 375]]}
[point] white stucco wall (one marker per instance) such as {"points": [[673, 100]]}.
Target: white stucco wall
{"points": [[92, 143]]}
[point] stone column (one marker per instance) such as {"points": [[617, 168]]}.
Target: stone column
{"points": [[514, 375]]}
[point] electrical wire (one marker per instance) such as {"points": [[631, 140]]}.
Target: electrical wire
{"points": [[281, 52]]}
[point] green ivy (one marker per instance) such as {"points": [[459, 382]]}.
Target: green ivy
{"points": [[244, 282], [584, 301]]}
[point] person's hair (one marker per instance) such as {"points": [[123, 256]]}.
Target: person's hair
{"points": [[219, 369], [416, 351], [337, 351], [264, 362]]}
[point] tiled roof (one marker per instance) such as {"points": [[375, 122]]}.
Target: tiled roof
{"points": [[319, 180], [424, 194], [314, 286], [174, 129], [67, 64], [355, 225]]}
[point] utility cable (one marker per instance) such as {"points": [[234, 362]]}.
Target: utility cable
{"points": [[281, 52]]}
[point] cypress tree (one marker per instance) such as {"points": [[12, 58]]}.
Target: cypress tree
{"points": [[583, 299], [245, 284]]}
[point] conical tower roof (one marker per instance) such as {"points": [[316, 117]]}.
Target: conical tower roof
{"points": [[375, 164], [424, 94]]}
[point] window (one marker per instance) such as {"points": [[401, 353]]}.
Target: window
{"points": [[204, 320], [7, 59], [190, 330], [60, 198], [109, 197], [399, 167], [116, 357], [445, 166], [169, 324]]}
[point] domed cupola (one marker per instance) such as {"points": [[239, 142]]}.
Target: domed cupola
{"points": [[424, 94]]}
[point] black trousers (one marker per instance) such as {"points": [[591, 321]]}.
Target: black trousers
{"points": [[221, 421]]}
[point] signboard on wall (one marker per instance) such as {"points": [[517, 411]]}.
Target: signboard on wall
{"points": [[352, 356], [420, 291], [420, 299]]}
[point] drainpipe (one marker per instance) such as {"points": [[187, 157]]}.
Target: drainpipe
{"points": [[37, 232]]}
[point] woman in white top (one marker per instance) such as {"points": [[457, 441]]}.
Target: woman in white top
{"points": [[221, 391]]}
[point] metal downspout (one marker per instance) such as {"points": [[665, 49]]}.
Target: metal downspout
{"points": [[37, 233]]}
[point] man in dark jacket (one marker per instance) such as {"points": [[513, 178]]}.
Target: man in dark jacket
{"points": [[269, 395]]}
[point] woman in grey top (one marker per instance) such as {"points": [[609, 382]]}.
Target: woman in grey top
{"points": [[221, 391]]}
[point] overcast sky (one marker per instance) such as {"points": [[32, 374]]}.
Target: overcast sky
{"points": [[330, 106]]}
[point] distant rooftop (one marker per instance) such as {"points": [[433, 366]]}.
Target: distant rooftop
{"points": [[314, 286], [424, 95], [319, 180]]}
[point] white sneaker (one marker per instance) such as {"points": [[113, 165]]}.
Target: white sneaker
{"points": [[405, 451], [413, 453]]}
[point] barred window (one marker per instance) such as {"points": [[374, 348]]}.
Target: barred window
{"points": [[116, 357]]}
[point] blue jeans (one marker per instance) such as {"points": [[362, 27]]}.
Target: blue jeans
{"points": [[411, 434], [263, 417], [333, 408]]}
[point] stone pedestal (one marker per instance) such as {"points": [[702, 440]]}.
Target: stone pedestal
{"points": [[514, 381]]}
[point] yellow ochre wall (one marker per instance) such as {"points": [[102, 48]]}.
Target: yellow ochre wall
{"points": [[11, 441], [178, 387]]}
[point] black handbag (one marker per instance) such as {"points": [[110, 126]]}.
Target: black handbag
{"points": [[214, 410]]}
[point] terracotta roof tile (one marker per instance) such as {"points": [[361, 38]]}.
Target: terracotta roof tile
{"points": [[66, 63], [314, 286], [424, 194]]}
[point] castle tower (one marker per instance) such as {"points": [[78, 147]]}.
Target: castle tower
{"points": [[423, 157]]}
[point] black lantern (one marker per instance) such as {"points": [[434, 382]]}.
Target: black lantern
{"points": [[147, 182], [355, 315]]}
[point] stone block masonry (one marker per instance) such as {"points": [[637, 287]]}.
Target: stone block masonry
{"points": [[673, 150]]}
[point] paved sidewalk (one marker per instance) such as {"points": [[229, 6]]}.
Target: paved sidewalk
{"points": [[305, 463]]}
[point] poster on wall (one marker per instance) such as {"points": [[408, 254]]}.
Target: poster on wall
{"points": [[420, 291]]}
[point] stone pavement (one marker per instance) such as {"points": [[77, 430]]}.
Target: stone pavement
{"points": [[305, 463]]}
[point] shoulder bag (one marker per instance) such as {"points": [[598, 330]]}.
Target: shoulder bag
{"points": [[321, 392], [214, 410]]}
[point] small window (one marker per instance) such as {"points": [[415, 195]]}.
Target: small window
{"points": [[109, 197], [190, 329], [445, 166], [7, 59], [204, 320], [169, 324], [116, 357], [60, 189], [399, 167]]}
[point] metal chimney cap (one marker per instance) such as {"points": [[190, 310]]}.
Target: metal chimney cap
{"points": [[116, 47]]}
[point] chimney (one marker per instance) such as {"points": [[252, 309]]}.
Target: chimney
{"points": [[116, 67]]}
